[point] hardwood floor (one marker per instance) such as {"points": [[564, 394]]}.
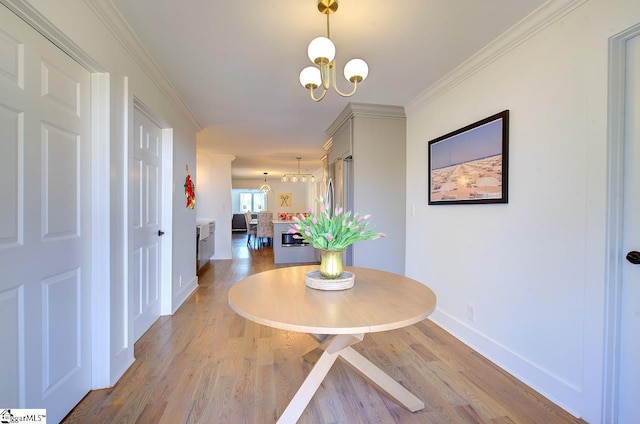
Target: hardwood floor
{"points": [[206, 364]]}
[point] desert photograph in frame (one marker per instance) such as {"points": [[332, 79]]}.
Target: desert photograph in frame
{"points": [[470, 165]]}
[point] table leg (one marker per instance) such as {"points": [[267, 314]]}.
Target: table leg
{"points": [[332, 350], [381, 380], [312, 355], [324, 356]]}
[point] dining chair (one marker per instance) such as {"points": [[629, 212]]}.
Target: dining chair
{"points": [[265, 227], [251, 230]]}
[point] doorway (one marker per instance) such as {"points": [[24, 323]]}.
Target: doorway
{"points": [[150, 182]]}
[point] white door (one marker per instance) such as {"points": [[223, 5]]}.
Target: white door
{"points": [[45, 228], [629, 379], [147, 197]]}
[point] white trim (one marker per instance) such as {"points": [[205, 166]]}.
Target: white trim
{"points": [[166, 265], [559, 391], [184, 292], [100, 231], [536, 21], [115, 23], [41, 24], [615, 203], [124, 357], [369, 110]]}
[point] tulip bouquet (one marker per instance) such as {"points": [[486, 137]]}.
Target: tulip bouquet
{"points": [[327, 231]]}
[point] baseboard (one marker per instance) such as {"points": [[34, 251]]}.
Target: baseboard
{"points": [[182, 294], [560, 392], [118, 373]]}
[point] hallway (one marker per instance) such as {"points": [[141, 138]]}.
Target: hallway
{"points": [[207, 364]]}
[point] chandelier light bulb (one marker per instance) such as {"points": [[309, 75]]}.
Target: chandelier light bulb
{"points": [[294, 179], [321, 51], [310, 77], [304, 178], [284, 178], [356, 70]]}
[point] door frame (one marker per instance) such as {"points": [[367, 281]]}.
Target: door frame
{"points": [[614, 220]]}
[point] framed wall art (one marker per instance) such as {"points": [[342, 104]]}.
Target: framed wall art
{"points": [[284, 199], [470, 165]]}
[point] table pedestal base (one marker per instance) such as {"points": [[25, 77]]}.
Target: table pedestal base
{"points": [[324, 356]]}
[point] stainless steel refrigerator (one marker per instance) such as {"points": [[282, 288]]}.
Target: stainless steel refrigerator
{"points": [[339, 192]]}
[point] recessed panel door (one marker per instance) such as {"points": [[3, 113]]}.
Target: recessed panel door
{"points": [[45, 232], [145, 257], [629, 379]]}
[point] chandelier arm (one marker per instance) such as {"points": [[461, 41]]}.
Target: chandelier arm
{"points": [[325, 74], [335, 86], [324, 93], [355, 87]]}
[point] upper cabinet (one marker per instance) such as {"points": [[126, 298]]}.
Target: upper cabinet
{"points": [[341, 142], [374, 138]]}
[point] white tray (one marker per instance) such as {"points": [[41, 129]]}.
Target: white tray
{"points": [[316, 281]]}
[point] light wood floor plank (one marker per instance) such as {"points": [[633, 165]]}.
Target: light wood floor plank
{"points": [[206, 364]]}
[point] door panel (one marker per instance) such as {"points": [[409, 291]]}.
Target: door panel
{"points": [[45, 249], [629, 379], [147, 186]]}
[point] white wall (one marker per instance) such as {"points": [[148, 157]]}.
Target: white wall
{"points": [[127, 79], [533, 268], [213, 198]]}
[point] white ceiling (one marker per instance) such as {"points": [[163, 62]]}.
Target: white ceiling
{"points": [[236, 63]]}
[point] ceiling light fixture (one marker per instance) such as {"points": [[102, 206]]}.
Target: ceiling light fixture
{"points": [[322, 52], [264, 188], [294, 178]]}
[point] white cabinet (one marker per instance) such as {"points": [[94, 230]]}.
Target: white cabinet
{"points": [[374, 136]]}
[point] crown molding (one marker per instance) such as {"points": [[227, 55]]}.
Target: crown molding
{"points": [[41, 24], [115, 23], [369, 110], [536, 21], [328, 144]]}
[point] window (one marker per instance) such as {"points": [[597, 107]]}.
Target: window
{"points": [[253, 202]]}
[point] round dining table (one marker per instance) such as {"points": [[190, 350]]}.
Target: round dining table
{"points": [[338, 319]]}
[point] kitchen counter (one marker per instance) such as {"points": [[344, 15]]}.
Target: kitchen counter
{"points": [[290, 254]]}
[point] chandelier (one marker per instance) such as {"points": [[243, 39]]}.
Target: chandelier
{"points": [[322, 52], [294, 178], [264, 188]]}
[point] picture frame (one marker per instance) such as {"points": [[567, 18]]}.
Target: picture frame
{"points": [[470, 165], [284, 200]]}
